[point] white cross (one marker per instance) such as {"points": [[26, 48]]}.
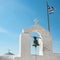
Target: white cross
{"points": [[36, 21]]}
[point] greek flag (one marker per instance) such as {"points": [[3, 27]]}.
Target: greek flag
{"points": [[50, 9]]}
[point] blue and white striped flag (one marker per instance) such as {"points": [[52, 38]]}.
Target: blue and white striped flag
{"points": [[50, 9]]}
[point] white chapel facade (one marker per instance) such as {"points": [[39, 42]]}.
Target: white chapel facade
{"points": [[45, 48]]}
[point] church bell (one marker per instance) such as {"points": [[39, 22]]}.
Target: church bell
{"points": [[35, 42]]}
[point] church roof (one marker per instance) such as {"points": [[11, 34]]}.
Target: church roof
{"points": [[9, 53]]}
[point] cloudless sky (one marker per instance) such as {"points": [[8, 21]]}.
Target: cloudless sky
{"points": [[16, 15]]}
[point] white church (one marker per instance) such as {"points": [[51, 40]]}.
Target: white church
{"points": [[45, 46]]}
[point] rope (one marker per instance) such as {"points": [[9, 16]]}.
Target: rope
{"points": [[35, 53]]}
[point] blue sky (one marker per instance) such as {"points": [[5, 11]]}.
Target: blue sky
{"points": [[16, 15]]}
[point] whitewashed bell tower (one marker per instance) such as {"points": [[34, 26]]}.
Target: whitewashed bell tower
{"points": [[45, 47]]}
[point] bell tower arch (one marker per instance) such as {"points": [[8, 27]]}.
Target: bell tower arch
{"points": [[45, 41], [36, 47]]}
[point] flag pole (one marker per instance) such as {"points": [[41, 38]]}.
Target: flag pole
{"points": [[48, 17]]}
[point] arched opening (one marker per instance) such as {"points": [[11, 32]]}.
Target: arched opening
{"points": [[36, 50]]}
